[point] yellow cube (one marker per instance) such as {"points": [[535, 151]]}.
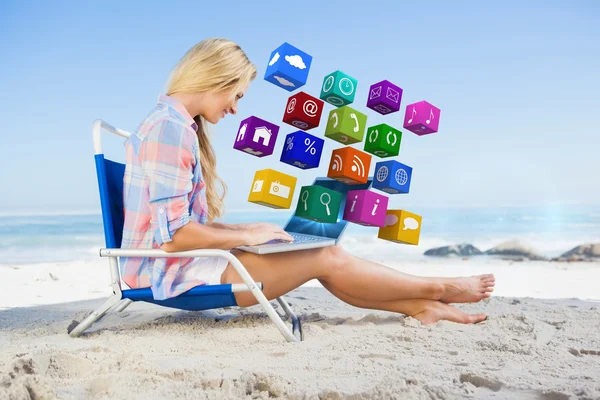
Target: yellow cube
{"points": [[401, 227], [272, 188]]}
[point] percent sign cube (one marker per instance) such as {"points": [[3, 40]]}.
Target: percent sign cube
{"points": [[302, 150]]}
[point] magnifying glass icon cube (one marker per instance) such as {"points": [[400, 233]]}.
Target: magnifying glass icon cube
{"points": [[319, 204]]}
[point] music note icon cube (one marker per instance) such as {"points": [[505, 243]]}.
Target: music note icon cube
{"points": [[318, 203], [302, 150], [384, 97], [383, 141], [365, 207], [338, 89], [392, 177], [401, 227], [422, 118], [349, 165], [303, 111], [288, 67], [346, 125]]}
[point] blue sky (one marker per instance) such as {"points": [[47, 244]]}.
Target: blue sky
{"points": [[517, 85]]}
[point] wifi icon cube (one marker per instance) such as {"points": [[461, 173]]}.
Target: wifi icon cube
{"points": [[302, 150], [349, 165]]}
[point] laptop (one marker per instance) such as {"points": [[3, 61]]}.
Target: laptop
{"points": [[309, 234]]}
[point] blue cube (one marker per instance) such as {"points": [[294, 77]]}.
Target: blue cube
{"points": [[302, 150], [288, 67], [392, 177]]}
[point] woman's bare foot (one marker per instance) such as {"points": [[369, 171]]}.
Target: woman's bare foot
{"points": [[436, 311], [469, 289]]}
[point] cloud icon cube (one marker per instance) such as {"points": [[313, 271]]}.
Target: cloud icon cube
{"points": [[383, 141], [384, 97], [302, 150], [392, 177], [422, 118], [401, 227], [338, 89], [288, 67]]}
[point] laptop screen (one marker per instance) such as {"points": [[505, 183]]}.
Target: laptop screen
{"points": [[327, 229]]}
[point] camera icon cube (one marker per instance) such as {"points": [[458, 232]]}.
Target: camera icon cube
{"points": [[383, 141], [349, 165], [272, 189], [346, 125], [256, 137], [392, 177], [303, 111], [365, 207], [401, 227], [422, 118], [318, 203], [384, 97], [338, 89], [302, 150], [288, 67]]}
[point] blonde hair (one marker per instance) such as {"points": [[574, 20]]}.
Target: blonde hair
{"points": [[211, 65]]}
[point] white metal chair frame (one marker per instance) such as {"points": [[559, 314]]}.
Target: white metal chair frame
{"points": [[294, 335]]}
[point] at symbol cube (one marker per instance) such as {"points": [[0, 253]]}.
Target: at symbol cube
{"points": [[318, 203], [392, 177], [349, 165], [272, 189], [384, 97], [303, 111], [422, 118], [383, 141], [288, 67], [302, 150], [346, 125], [365, 207], [401, 227], [338, 89], [256, 136]]}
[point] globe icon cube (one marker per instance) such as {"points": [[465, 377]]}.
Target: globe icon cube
{"points": [[302, 150], [339, 89], [384, 97], [303, 111], [349, 165], [346, 125], [401, 227], [319, 204], [422, 118], [256, 137], [365, 207], [383, 141], [272, 189], [288, 67], [392, 177]]}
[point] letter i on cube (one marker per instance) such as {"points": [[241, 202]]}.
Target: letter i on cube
{"points": [[365, 207], [302, 150], [422, 118], [401, 227], [288, 67]]}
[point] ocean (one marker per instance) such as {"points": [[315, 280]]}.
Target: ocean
{"points": [[32, 237]]}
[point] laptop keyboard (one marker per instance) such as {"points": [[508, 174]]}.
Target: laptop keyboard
{"points": [[298, 238]]}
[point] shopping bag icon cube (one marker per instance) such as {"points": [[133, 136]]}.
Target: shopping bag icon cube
{"points": [[365, 207], [401, 227], [303, 111], [346, 125], [392, 177], [318, 203], [272, 189], [302, 150], [383, 141], [338, 89], [349, 165], [256, 136], [422, 118], [288, 67], [384, 97]]}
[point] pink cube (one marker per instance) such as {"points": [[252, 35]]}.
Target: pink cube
{"points": [[422, 118], [365, 207]]}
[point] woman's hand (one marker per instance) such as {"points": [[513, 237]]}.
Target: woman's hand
{"points": [[262, 232]]}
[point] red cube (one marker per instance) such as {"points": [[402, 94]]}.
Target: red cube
{"points": [[303, 111]]}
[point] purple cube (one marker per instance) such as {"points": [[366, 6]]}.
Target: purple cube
{"points": [[384, 97], [365, 207], [256, 137], [422, 118]]}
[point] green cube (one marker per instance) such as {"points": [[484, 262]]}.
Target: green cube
{"points": [[383, 141], [338, 89], [346, 125], [318, 203]]}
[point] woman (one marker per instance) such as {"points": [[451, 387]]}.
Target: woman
{"points": [[171, 200]]}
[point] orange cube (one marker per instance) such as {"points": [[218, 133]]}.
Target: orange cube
{"points": [[349, 165]]}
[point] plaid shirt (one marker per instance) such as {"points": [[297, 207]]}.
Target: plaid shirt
{"points": [[163, 191]]}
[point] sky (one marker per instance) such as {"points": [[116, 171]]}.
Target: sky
{"points": [[517, 84]]}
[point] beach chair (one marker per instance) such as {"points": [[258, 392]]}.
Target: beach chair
{"points": [[110, 183]]}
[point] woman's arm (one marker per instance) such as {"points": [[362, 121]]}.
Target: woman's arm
{"points": [[222, 225], [194, 235]]}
